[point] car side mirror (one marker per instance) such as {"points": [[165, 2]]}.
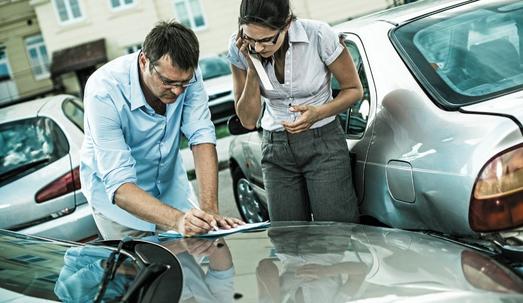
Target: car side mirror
{"points": [[235, 126]]}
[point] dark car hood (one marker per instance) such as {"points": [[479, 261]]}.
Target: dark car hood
{"points": [[343, 263], [289, 262]]}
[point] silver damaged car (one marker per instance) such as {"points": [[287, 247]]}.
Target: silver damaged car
{"points": [[437, 139]]}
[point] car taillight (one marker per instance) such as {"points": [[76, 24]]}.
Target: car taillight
{"points": [[497, 199], [59, 187]]}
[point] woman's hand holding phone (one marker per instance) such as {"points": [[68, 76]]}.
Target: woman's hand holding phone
{"points": [[245, 48]]}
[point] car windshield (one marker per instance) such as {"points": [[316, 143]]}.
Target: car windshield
{"points": [[46, 270], [468, 54], [214, 67]]}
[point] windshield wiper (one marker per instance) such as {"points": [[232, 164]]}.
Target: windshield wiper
{"points": [[143, 278], [113, 262], [15, 171]]}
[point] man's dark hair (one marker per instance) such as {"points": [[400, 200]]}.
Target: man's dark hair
{"points": [[175, 40], [270, 13]]}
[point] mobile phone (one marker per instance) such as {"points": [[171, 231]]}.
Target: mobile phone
{"points": [[252, 50], [250, 47]]}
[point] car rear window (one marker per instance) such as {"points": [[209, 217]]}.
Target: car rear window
{"points": [[467, 54], [214, 67], [28, 145]]}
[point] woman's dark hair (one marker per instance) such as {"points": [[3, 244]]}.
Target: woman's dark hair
{"points": [[175, 40], [271, 13]]}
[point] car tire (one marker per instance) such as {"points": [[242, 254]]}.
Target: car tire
{"points": [[250, 207]]}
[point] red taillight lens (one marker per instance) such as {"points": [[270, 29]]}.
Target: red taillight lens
{"points": [[497, 199], [483, 273], [59, 187]]}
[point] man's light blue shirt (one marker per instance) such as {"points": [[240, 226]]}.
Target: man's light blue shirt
{"points": [[127, 142]]}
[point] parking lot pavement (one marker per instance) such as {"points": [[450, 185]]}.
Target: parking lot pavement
{"points": [[225, 194]]}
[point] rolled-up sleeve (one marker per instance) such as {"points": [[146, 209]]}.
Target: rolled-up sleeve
{"points": [[114, 163], [197, 125], [329, 44]]}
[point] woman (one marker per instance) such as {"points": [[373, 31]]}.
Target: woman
{"points": [[306, 165]]}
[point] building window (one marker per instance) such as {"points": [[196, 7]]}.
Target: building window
{"points": [[28, 259], [190, 13], [4, 65], [68, 10], [38, 56], [121, 4], [134, 48]]}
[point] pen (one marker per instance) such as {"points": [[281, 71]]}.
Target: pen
{"points": [[214, 227]]}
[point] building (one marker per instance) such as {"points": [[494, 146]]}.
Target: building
{"points": [[81, 35], [24, 60]]}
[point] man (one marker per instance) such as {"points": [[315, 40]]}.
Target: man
{"points": [[136, 108]]}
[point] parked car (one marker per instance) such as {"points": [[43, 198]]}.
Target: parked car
{"points": [[437, 139], [40, 144], [291, 262], [217, 79]]}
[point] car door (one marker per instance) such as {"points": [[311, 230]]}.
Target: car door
{"points": [[253, 157], [36, 180], [356, 121]]}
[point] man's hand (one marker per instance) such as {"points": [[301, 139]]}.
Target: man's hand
{"points": [[227, 222], [195, 222], [309, 114]]}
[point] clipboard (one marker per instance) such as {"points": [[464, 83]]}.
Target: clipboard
{"points": [[216, 233]]}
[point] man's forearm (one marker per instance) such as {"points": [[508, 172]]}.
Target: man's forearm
{"points": [[133, 199], [206, 167]]}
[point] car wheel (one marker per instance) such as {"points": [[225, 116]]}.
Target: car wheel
{"points": [[251, 208]]}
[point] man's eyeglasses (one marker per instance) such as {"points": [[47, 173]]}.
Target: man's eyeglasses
{"points": [[265, 41], [174, 84]]}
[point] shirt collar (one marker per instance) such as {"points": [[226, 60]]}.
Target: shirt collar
{"points": [[297, 32], [137, 99]]}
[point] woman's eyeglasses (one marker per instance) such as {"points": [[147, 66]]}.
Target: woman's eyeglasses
{"points": [[174, 84], [265, 41]]}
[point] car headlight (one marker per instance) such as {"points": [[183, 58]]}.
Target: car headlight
{"points": [[485, 273], [497, 199]]}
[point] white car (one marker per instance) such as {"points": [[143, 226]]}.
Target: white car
{"points": [[40, 144], [217, 79]]}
